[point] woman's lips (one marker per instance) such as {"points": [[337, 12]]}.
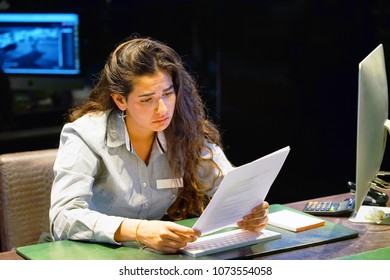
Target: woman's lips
{"points": [[163, 120]]}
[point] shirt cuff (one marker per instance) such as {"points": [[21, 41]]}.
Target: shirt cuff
{"points": [[106, 227]]}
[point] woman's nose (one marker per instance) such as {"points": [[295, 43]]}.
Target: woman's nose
{"points": [[162, 108]]}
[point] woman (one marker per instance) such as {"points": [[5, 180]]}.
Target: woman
{"points": [[139, 151]]}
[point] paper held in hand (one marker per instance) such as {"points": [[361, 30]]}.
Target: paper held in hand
{"points": [[241, 189]]}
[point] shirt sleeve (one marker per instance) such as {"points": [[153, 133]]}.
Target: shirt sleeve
{"points": [[74, 170]]}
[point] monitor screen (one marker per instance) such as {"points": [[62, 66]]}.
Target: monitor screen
{"points": [[40, 44], [37, 45], [371, 122]]}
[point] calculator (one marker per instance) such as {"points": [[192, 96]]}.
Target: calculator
{"points": [[328, 208]]}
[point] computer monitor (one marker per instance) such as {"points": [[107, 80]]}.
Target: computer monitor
{"points": [[40, 50], [372, 122]]}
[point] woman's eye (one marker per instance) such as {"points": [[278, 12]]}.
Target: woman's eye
{"points": [[168, 93], [147, 100]]}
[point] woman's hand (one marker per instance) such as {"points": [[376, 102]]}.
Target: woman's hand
{"points": [[257, 219], [165, 236]]}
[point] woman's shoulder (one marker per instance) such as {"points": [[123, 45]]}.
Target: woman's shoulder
{"points": [[92, 126], [97, 118]]}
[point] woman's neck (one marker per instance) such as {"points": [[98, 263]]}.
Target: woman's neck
{"points": [[142, 144]]}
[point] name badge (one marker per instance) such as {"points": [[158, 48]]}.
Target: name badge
{"points": [[169, 183]]}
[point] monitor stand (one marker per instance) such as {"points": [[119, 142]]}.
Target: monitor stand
{"points": [[379, 185]]}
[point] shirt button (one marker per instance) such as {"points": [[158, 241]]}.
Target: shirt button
{"points": [[144, 184]]}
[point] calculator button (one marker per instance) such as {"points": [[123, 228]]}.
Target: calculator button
{"points": [[308, 206], [312, 205]]}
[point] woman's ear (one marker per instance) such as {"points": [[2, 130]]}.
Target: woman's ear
{"points": [[119, 100]]}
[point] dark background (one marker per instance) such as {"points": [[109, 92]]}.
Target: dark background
{"points": [[273, 73]]}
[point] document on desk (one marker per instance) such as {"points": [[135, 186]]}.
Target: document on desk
{"points": [[241, 189]]}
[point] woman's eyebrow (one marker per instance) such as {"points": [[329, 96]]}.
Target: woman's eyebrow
{"points": [[146, 94], [152, 93], [169, 88]]}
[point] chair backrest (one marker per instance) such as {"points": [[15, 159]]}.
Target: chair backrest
{"points": [[25, 187]]}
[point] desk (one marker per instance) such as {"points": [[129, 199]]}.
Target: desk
{"points": [[10, 255], [371, 237]]}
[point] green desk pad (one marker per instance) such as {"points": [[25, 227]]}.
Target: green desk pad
{"points": [[377, 254], [77, 250]]}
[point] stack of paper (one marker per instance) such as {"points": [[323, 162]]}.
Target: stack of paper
{"points": [[294, 221]]}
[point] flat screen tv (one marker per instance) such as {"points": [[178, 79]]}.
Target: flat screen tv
{"points": [[40, 50]]}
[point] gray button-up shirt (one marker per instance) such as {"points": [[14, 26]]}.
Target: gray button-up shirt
{"points": [[100, 180]]}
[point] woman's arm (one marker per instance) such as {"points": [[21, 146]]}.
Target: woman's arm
{"points": [[75, 169]]}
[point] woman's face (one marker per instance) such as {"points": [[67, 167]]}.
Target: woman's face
{"points": [[151, 104]]}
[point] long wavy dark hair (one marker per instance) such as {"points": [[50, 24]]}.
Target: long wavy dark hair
{"points": [[190, 129]]}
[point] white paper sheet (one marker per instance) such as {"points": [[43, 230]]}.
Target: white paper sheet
{"points": [[241, 189]]}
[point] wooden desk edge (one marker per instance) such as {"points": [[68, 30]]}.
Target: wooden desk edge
{"points": [[10, 255]]}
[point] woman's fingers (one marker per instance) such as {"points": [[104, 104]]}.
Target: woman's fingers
{"points": [[167, 236], [257, 219]]}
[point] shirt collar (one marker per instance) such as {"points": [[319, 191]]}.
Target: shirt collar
{"points": [[161, 141], [115, 129], [117, 133]]}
